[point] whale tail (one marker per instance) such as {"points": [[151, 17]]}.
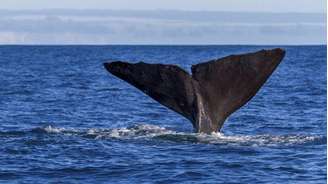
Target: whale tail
{"points": [[215, 89]]}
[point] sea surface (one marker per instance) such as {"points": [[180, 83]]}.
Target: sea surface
{"points": [[65, 119]]}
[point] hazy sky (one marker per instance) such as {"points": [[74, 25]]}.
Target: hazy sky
{"points": [[204, 22], [318, 6]]}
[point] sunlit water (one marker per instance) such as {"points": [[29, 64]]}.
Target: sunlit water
{"points": [[64, 119]]}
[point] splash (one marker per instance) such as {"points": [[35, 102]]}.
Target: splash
{"points": [[55, 130], [153, 132], [135, 132]]}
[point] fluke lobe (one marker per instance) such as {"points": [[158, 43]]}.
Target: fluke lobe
{"points": [[215, 89]]}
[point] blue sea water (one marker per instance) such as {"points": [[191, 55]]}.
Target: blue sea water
{"points": [[64, 119]]}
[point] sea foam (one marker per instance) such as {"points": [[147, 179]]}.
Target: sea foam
{"points": [[146, 131]]}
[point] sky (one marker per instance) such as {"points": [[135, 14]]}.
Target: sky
{"points": [[318, 6], [248, 22]]}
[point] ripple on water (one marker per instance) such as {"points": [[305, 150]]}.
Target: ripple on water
{"points": [[279, 137]]}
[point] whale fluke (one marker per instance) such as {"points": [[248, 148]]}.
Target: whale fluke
{"points": [[215, 89]]}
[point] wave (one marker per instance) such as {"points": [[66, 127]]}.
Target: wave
{"points": [[153, 132]]}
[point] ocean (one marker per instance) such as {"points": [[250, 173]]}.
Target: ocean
{"points": [[65, 119]]}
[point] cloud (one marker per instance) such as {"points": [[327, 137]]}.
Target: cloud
{"points": [[159, 27]]}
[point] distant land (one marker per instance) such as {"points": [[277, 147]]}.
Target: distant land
{"points": [[70, 26]]}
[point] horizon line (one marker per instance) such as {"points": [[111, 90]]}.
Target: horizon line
{"points": [[173, 45], [159, 9]]}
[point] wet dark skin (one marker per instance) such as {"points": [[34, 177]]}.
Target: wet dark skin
{"points": [[215, 89]]}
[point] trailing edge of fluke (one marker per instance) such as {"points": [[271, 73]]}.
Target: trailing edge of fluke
{"points": [[215, 89]]}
